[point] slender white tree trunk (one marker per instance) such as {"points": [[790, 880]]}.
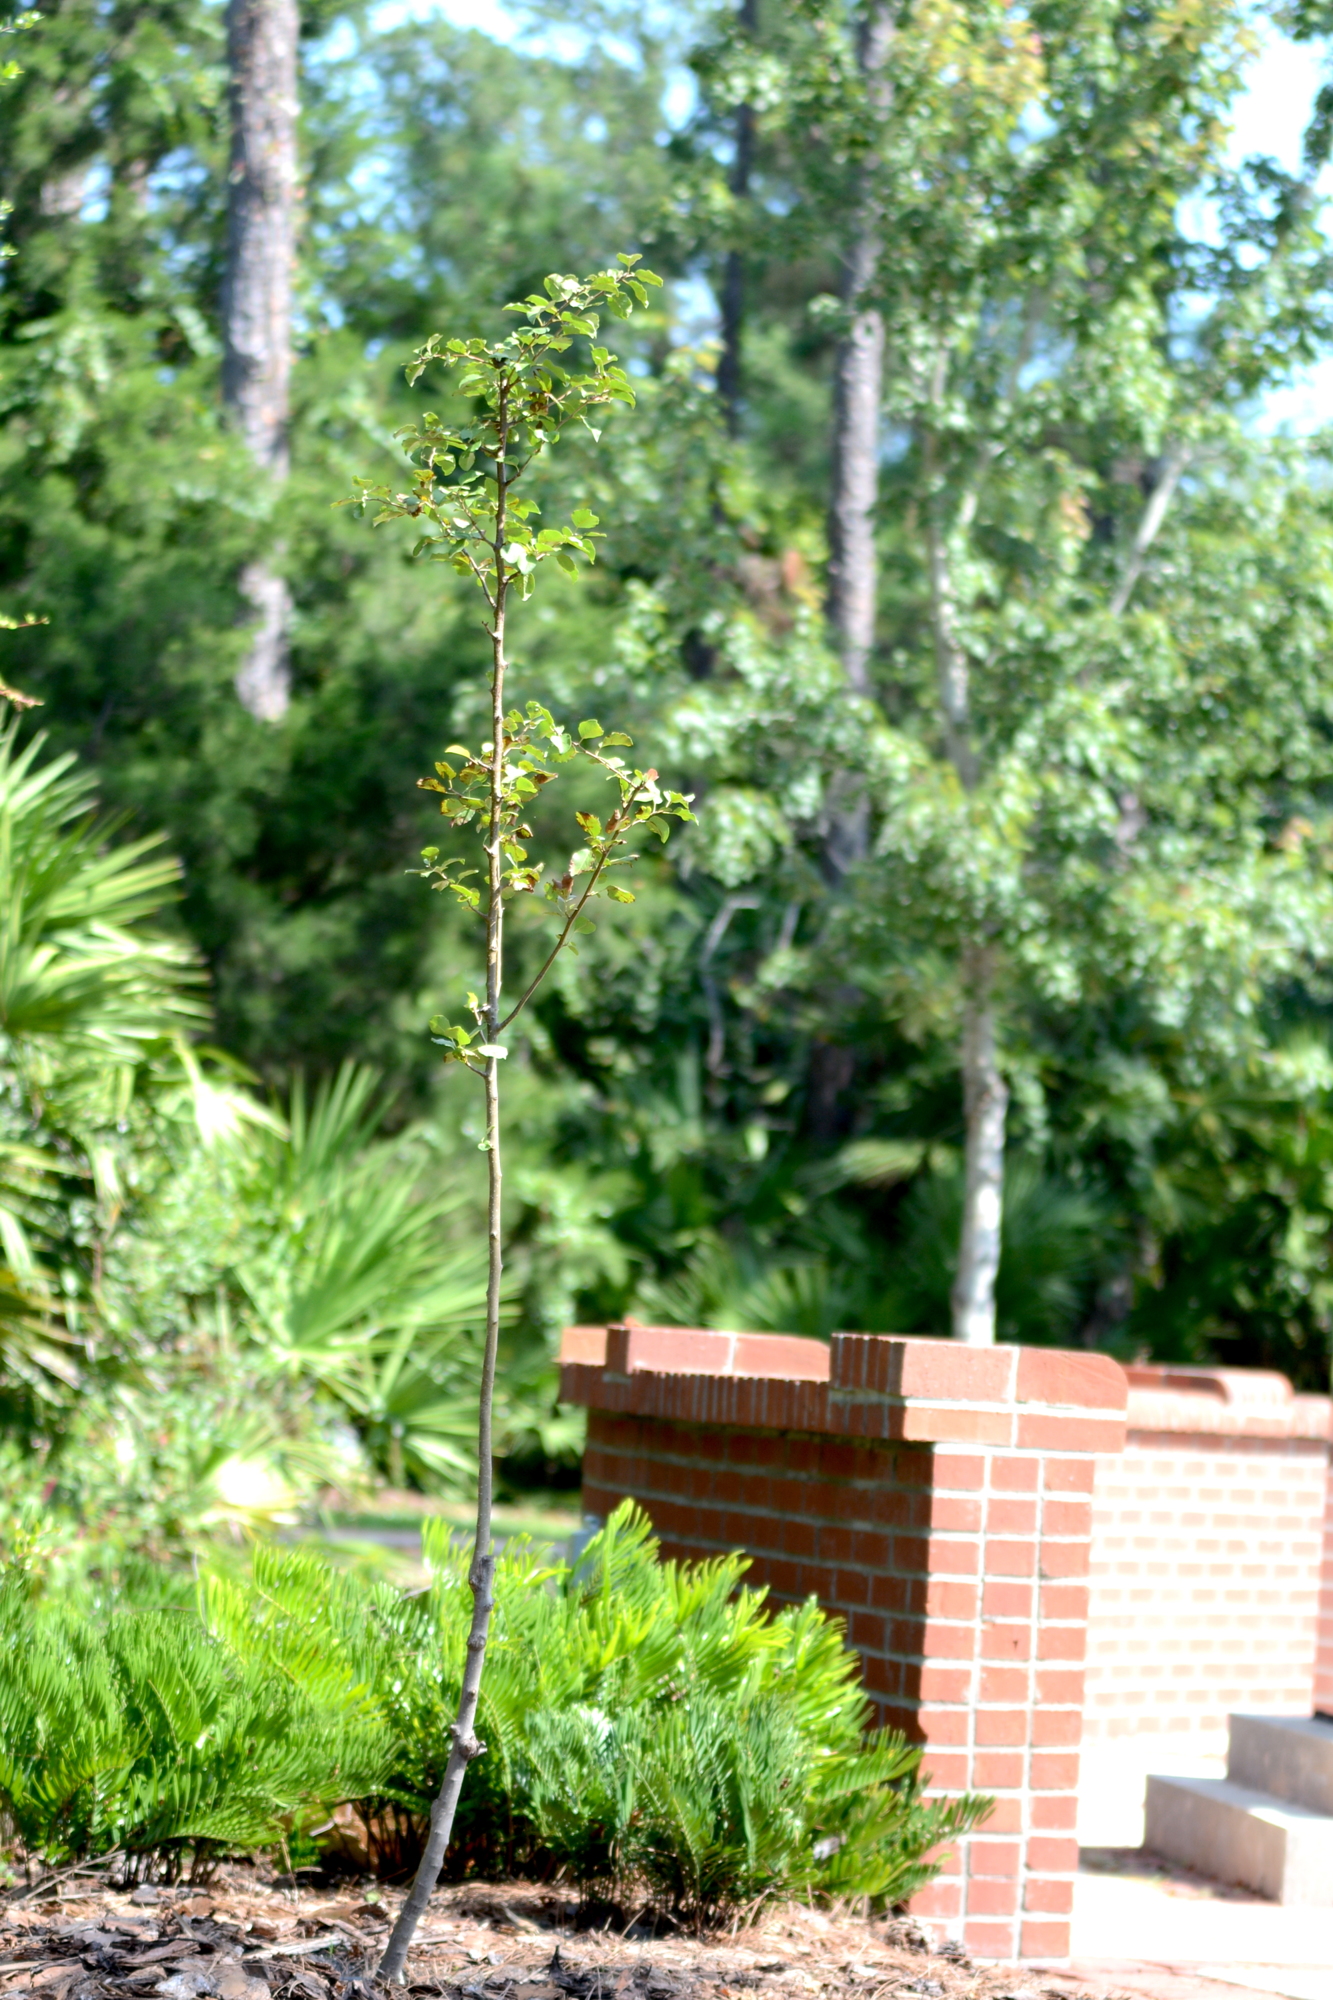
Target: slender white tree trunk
{"points": [[858, 391], [858, 388], [985, 1093], [257, 299], [985, 1103]]}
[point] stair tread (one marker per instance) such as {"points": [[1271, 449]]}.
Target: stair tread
{"points": [[1266, 1805]]}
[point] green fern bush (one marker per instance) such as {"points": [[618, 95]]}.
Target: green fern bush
{"points": [[655, 1733], [653, 1730], [141, 1734]]}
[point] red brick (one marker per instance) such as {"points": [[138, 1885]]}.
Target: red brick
{"points": [[1048, 1855], [1009, 1515], [1017, 1558], [1054, 1899], [1002, 1858], [1009, 1474], [991, 1899], [1003, 1683], [894, 1593], [1005, 1816], [940, 1682], [1045, 1939], [942, 1555], [938, 1641], [1068, 1475], [1062, 1686], [1067, 1517], [1006, 1598], [957, 1471], [946, 1726], [1057, 1728], [1061, 1433], [988, 1940], [997, 1771], [1005, 1642], [1062, 1642], [1001, 1726], [935, 1423], [1054, 1771], [1065, 1602], [1054, 1812], [870, 1550], [1054, 1376], [942, 1368], [850, 1589], [945, 1770], [941, 1899], [951, 1597], [1060, 1559]]}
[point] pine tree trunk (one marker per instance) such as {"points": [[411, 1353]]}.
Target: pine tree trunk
{"points": [[257, 299], [985, 1103]]}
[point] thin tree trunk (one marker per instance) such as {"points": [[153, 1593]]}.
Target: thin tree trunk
{"points": [[733, 276], [257, 299], [985, 1103], [481, 1575], [858, 387], [985, 1094]]}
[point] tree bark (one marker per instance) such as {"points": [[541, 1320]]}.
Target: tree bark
{"points": [[858, 385], [985, 1103], [733, 276], [985, 1093], [257, 299]]}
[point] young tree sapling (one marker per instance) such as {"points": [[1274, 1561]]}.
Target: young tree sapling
{"points": [[463, 496]]}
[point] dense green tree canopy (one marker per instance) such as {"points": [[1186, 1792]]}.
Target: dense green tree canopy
{"points": [[745, 1103]]}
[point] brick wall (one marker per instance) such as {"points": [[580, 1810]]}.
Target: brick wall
{"points": [[1323, 1665], [1207, 1545], [940, 1499]]}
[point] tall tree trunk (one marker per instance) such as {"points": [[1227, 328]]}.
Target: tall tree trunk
{"points": [[858, 385], [985, 1103], [257, 299], [985, 1093], [733, 276], [858, 388]]}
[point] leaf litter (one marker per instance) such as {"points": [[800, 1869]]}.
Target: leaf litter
{"points": [[248, 1938]]}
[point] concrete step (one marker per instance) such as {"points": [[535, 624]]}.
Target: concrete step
{"points": [[1290, 1756], [1236, 1833]]}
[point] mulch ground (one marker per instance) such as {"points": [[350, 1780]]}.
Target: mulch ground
{"points": [[251, 1939]]}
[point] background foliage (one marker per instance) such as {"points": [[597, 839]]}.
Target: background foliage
{"points": [[742, 1105]]}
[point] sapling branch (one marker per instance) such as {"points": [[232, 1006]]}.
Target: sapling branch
{"points": [[464, 476]]}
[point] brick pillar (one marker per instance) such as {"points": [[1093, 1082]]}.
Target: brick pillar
{"points": [[1323, 1659], [938, 1498]]}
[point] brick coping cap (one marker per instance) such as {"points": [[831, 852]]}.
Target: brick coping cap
{"points": [[1223, 1402], [876, 1386]]}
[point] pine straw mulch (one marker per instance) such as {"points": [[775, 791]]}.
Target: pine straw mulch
{"points": [[251, 1939]]}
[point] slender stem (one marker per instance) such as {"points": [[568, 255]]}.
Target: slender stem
{"points": [[481, 1575], [1173, 465], [570, 922]]}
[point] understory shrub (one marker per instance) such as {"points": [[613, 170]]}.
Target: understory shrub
{"points": [[655, 1732], [141, 1734]]}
